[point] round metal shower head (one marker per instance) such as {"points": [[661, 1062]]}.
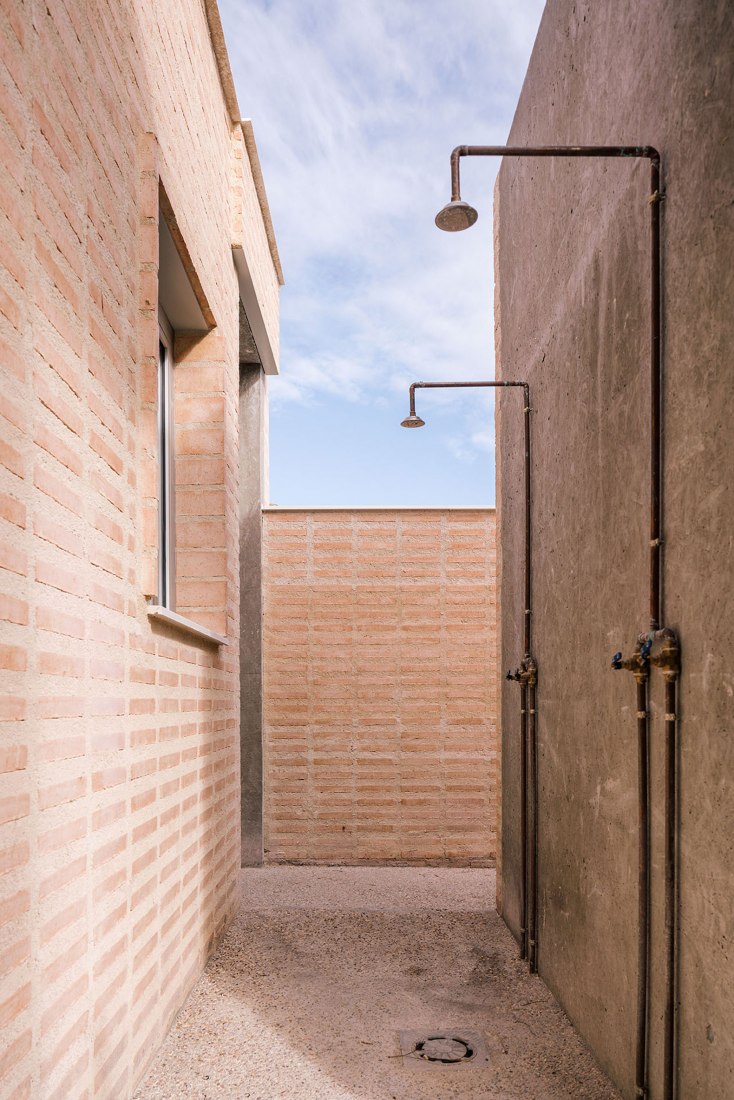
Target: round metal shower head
{"points": [[412, 421], [455, 216]]}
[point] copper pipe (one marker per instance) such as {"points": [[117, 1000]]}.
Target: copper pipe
{"points": [[639, 664], [633, 151], [533, 868], [527, 677], [669, 1018], [527, 634], [643, 881], [662, 650], [527, 672], [524, 820], [646, 152], [655, 602], [527, 629], [668, 659], [656, 370]]}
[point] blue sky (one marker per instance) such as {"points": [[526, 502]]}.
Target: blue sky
{"points": [[356, 106]]}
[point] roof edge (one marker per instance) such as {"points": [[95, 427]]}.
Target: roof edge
{"points": [[262, 197], [219, 45], [221, 55]]}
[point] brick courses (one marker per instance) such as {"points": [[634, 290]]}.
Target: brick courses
{"points": [[119, 770], [379, 686]]}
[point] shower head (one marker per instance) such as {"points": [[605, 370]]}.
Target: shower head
{"points": [[455, 216], [412, 421]]}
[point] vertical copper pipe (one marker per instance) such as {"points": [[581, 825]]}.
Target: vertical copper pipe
{"points": [[528, 792], [656, 617], [643, 882], [533, 870], [523, 820], [528, 572], [656, 610], [670, 930], [528, 529], [633, 152]]}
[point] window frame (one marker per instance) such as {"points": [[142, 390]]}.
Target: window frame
{"points": [[166, 467]]}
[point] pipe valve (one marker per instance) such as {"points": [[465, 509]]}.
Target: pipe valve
{"points": [[526, 674], [667, 656], [638, 663]]}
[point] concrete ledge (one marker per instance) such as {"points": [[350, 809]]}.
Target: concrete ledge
{"points": [[249, 299], [164, 615], [490, 863], [381, 508]]}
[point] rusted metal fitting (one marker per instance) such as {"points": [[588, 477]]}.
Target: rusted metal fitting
{"points": [[527, 673], [665, 653], [638, 663]]}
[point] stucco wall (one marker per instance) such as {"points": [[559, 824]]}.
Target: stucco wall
{"points": [[572, 263], [119, 808], [379, 686]]}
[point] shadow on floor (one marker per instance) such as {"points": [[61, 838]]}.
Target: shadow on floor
{"points": [[323, 966]]}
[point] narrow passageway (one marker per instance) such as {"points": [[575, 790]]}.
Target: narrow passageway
{"points": [[324, 967]]}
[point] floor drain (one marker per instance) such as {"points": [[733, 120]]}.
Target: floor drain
{"points": [[443, 1047]]}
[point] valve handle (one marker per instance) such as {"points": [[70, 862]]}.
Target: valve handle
{"points": [[617, 660]]}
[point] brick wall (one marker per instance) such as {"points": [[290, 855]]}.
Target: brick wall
{"points": [[379, 686], [119, 781]]}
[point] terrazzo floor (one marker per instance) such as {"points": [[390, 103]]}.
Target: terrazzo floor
{"points": [[323, 967]]}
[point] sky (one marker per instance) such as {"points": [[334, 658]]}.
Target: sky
{"points": [[356, 106]]}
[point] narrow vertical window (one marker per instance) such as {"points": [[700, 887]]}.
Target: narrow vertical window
{"points": [[166, 487]]}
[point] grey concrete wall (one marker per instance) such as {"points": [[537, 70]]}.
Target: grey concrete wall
{"points": [[252, 461], [572, 315]]}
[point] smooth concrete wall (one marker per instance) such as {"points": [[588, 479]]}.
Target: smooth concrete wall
{"points": [[572, 299], [252, 411]]}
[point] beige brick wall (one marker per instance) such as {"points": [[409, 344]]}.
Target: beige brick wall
{"points": [[379, 686], [119, 772]]}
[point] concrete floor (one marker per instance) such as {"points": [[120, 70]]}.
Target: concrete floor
{"points": [[323, 966]]}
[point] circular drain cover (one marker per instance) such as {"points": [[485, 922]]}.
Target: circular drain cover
{"points": [[442, 1048]]}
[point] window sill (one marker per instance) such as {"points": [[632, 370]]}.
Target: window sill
{"points": [[164, 615]]}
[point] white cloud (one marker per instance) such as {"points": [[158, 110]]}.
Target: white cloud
{"points": [[356, 106]]}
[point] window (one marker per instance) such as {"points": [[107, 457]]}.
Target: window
{"points": [[166, 468], [178, 594]]}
